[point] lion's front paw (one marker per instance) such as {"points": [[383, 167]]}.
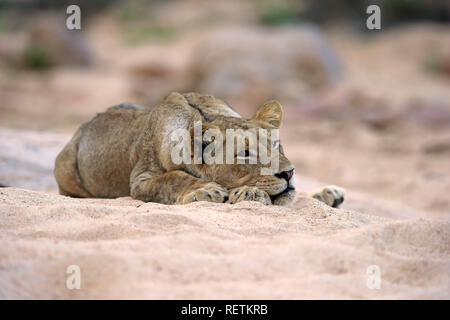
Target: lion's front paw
{"points": [[331, 195], [247, 193], [211, 192]]}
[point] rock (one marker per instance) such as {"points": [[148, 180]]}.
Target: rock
{"points": [[433, 113], [251, 65], [11, 47], [27, 159], [50, 43], [348, 104], [437, 147]]}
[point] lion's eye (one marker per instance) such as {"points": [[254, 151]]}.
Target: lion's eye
{"points": [[244, 154], [275, 144]]}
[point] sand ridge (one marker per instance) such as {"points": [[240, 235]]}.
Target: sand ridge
{"points": [[130, 249]]}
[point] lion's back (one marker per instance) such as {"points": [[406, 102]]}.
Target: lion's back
{"points": [[104, 150]]}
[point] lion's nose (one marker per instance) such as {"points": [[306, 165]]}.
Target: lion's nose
{"points": [[287, 175]]}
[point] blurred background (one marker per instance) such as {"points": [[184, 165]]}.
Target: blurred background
{"points": [[365, 109]]}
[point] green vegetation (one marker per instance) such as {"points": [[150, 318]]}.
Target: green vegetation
{"points": [[275, 13], [36, 57], [139, 33], [139, 25]]}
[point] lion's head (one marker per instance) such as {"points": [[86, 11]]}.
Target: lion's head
{"points": [[277, 179]]}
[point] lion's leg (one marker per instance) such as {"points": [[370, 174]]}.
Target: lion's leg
{"points": [[66, 170], [176, 187], [331, 195]]}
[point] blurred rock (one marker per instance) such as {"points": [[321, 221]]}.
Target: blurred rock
{"points": [[437, 147], [433, 113], [153, 78], [27, 158], [252, 65], [150, 69], [438, 61], [50, 43], [11, 45], [348, 104]]}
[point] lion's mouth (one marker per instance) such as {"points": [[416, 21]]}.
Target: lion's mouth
{"points": [[275, 196]]}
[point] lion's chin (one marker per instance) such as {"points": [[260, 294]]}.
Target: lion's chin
{"points": [[285, 197]]}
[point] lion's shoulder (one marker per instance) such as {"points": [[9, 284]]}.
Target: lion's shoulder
{"points": [[128, 107]]}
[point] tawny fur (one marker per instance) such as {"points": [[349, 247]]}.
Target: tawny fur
{"points": [[127, 151]]}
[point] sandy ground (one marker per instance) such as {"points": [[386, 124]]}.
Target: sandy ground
{"points": [[129, 249]]}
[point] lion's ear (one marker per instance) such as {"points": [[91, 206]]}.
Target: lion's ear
{"points": [[271, 112]]}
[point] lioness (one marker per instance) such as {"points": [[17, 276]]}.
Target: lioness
{"points": [[127, 151]]}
